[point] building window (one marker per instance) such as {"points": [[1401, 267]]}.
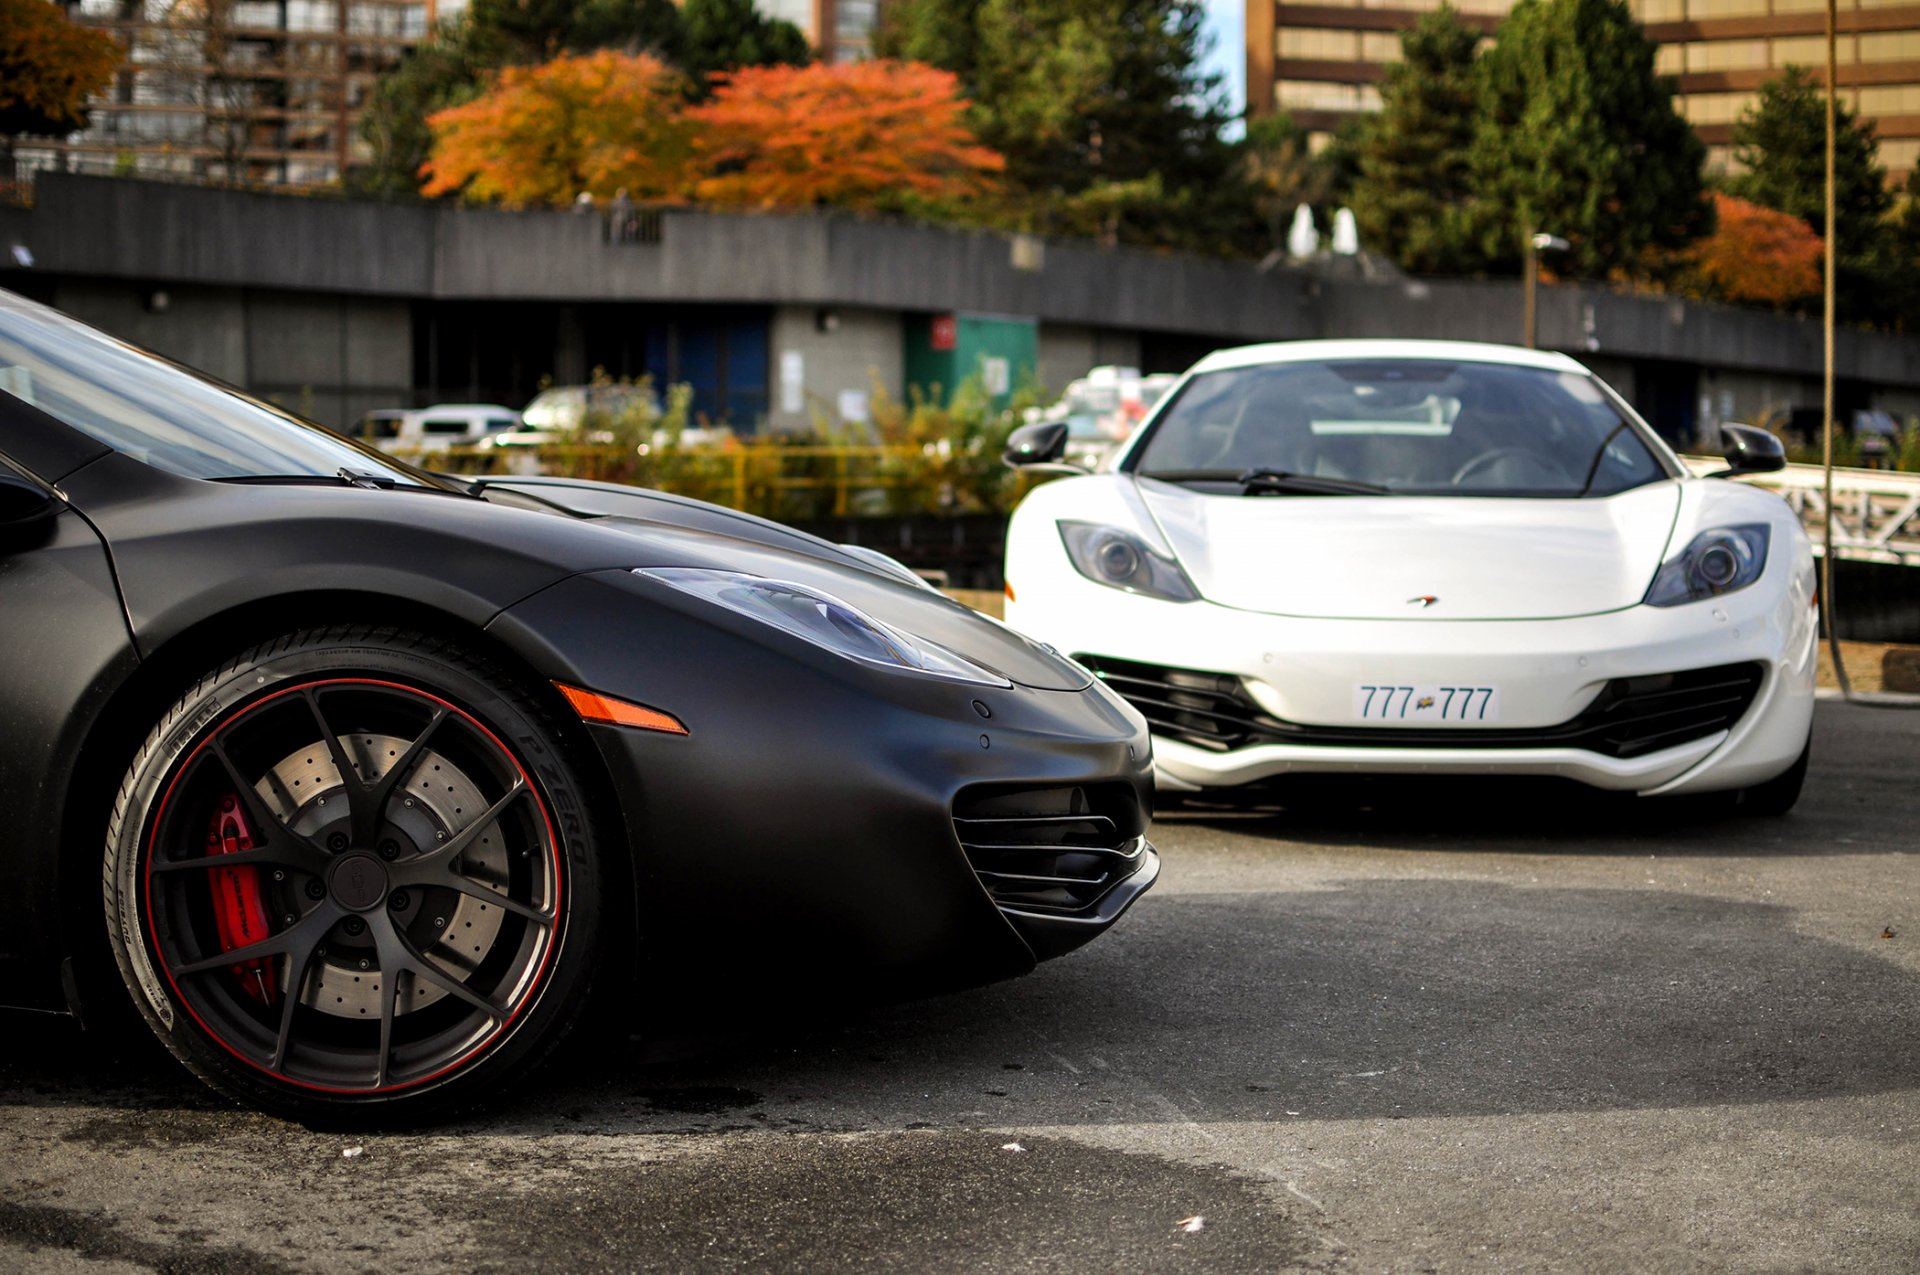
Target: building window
{"points": [[1319, 45]]}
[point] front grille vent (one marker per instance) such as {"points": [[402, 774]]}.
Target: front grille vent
{"points": [[1054, 850], [1630, 717]]}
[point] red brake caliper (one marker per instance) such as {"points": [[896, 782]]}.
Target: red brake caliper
{"points": [[239, 911]]}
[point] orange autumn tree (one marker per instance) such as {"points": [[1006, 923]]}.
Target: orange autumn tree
{"points": [[599, 123], [1757, 255], [865, 135]]}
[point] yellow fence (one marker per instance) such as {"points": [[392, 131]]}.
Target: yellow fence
{"points": [[778, 480]]}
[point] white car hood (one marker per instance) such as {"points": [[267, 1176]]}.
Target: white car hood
{"points": [[1366, 557]]}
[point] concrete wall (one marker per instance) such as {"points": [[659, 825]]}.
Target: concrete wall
{"points": [[862, 348], [154, 231], [329, 357], [296, 295], [202, 327], [1596, 321]]}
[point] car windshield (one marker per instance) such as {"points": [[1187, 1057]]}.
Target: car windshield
{"points": [[171, 418], [1397, 426]]}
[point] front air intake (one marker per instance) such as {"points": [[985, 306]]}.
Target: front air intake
{"points": [[1051, 849], [1630, 717]]}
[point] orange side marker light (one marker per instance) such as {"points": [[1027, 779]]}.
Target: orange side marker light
{"points": [[1010, 596], [594, 707]]}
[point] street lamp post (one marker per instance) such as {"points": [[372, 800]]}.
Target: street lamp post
{"points": [[1536, 244]]}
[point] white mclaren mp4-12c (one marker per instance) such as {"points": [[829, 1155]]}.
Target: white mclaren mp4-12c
{"points": [[1411, 557]]}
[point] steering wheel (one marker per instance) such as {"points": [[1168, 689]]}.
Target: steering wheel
{"points": [[1485, 459]]}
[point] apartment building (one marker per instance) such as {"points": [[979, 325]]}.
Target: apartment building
{"points": [[1322, 62], [260, 91]]}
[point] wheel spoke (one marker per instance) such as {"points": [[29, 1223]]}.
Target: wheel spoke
{"points": [[301, 936], [362, 816], [473, 889], [367, 801], [381, 792], [397, 953], [294, 850], [389, 1006], [296, 981], [237, 859], [427, 869]]}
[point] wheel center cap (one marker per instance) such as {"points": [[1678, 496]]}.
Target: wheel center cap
{"points": [[359, 882]]}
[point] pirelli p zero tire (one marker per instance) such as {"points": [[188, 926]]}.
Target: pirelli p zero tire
{"points": [[352, 878]]}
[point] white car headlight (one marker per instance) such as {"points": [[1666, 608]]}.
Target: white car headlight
{"points": [[1121, 560], [1718, 561], [824, 620]]}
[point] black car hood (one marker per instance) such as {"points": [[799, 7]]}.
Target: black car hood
{"points": [[908, 607], [187, 549], [674, 531]]}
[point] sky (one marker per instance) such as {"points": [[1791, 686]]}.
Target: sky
{"points": [[1227, 23]]}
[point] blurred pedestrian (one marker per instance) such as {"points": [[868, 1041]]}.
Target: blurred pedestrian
{"points": [[625, 223]]}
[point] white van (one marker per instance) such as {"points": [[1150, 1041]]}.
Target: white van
{"points": [[441, 426]]}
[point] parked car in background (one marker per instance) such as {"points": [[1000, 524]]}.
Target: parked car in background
{"points": [[560, 414], [381, 425], [1435, 558], [1102, 408], [456, 425], [435, 428]]}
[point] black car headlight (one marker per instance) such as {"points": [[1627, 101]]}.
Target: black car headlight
{"points": [[1121, 560], [1718, 561], [824, 620]]}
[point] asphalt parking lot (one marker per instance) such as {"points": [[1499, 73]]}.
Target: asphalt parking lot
{"points": [[1425, 1034]]}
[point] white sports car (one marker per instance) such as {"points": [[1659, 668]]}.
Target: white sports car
{"points": [[1401, 557]]}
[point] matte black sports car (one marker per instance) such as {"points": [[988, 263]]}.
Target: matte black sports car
{"points": [[388, 767]]}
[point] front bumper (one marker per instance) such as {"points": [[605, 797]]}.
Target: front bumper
{"points": [[1549, 672], [803, 833]]}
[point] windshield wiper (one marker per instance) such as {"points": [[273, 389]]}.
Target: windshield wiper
{"points": [[361, 478], [1283, 482], [343, 476], [1273, 482], [1593, 470]]}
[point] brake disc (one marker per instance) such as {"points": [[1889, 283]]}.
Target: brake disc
{"points": [[452, 930]]}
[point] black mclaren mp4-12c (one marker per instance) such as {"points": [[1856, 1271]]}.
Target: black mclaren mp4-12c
{"points": [[358, 777]]}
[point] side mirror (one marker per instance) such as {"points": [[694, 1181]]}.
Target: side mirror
{"points": [[1751, 451], [23, 501], [1036, 444]]}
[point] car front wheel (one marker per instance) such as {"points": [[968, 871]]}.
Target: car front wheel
{"points": [[351, 878]]}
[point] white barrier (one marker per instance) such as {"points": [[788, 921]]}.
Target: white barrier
{"points": [[1876, 512]]}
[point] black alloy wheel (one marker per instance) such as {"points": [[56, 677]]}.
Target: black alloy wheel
{"points": [[351, 875]]}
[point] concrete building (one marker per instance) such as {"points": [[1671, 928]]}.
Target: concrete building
{"points": [[1322, 62], [258, 91], [336, 307]]}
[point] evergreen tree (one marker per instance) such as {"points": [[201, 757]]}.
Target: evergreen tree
{"points": [[1108, 121], [937, 32], [1413, 199], [719, 35], [1781, 141], [445, 71], [1578, 137]]}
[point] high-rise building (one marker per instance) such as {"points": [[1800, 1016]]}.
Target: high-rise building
{"points": [[1322, 62], [261, 91]]}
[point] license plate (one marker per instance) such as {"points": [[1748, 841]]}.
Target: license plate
{"points": [[1425, 705]]}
